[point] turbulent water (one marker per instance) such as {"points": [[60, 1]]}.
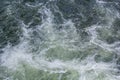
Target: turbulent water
{"points": [[59, 39]]}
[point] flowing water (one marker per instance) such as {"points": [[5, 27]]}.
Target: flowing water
{"points": [[60, 40]]}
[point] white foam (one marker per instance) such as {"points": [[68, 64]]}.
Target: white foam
{"points": [[13, 56]]}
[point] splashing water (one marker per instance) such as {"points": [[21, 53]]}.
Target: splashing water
{"points": [[59, 40]]}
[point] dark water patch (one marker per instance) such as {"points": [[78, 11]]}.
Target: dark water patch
{"points": [[118, 62], [108, 35], [85, 37], [37, 20], [9, 29], [34, 1], [24, 12], [29, 0], [1, 51], [58, 15], [116, 25], [57, 18], [83, 13]]}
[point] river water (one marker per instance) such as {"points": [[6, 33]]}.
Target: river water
{"points": [[60, 40]]}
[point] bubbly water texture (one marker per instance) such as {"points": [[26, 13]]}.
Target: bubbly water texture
{"points": [[60, 40]]}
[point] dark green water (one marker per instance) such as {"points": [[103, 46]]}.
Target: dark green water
{"points": [[59, 40]]}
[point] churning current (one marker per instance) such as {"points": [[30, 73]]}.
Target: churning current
{"points": [[59, 39]]}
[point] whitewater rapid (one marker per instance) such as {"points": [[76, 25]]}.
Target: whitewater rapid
{"points": [[52, 47]]}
